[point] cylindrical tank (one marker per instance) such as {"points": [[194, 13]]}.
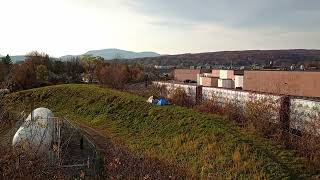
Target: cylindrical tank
{"points": [[36, 132]]}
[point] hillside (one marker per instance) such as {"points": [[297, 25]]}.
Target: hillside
{"points": [[205, 145], [238, 58], [115, 53]]}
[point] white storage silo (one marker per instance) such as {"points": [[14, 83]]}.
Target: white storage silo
{"points": [[35, 134]]}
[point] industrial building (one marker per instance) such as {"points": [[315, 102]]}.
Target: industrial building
{"points": [[187, 74], [295, 83], [222, 78]]}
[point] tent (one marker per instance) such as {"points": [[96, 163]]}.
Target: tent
{"points": [[162, 102]]}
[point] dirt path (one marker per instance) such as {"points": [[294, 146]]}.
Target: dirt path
{"points": [[122, 164]]}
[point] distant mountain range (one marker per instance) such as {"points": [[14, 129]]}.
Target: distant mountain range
{"points": [[107, 54], [110, 54]]}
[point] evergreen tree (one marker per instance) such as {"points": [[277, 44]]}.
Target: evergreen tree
{"points": [[6, 66], [7, 60]]}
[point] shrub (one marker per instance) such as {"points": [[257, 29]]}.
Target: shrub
{"points": [[306, 137], [261, 116], [209, 106], [179, 97], [158, 91], [233, 111], [230, 109]]}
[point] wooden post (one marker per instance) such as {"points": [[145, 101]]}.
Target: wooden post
{"points": [[285, 118], [198, 94]]}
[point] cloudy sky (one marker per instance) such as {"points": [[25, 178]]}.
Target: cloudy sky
{"points": [[61, 27]]}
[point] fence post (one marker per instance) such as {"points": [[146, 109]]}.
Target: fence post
{"points": [[285, 118], [198, 94]]}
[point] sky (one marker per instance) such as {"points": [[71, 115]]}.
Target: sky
{"points": [[62, 27]]}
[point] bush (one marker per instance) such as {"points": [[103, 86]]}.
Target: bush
{"points": [[306, 138], [261, 116], [179, 97], [158, 91], [16, 164], [230, 109]]}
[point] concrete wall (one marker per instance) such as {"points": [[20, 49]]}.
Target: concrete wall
{"points": [[295, 83], [306, 109], [302, 111]]}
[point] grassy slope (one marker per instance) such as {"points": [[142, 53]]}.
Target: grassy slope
{"points": [[205, 144]]}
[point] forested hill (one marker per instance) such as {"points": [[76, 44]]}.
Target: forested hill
{"points": [[241, 58]]}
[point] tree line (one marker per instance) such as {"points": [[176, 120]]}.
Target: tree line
{"points": [[39, 69]]}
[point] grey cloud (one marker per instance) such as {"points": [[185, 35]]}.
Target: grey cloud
{"points": [[289, 14], [171, 24]]}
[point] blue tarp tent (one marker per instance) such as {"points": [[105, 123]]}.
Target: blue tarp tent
{"points": [[162, 102]]}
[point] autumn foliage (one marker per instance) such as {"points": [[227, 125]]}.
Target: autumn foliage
{"points": [[117, 75], [37, 70]]}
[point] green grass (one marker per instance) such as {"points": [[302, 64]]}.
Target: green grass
{"points": [[205, 144]]}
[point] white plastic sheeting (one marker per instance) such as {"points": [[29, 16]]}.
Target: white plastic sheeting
{"points": [[150, 99], [35, 133]]}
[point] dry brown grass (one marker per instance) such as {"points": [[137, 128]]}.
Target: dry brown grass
{"points": [[229, 109], [306, 139], [261, 116], [179, 97], [15, 164], [258, 115], [158, 91]]}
